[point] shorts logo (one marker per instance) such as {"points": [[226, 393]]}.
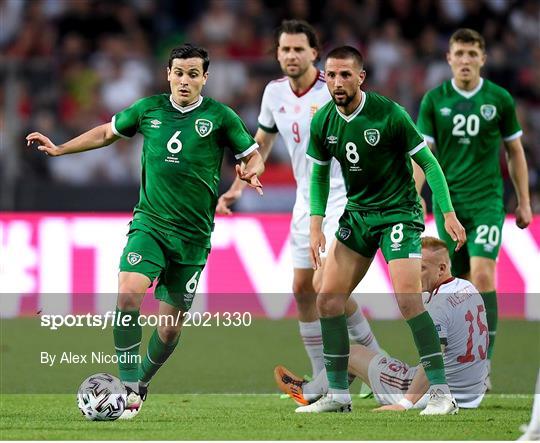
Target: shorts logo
{"points": [[344, 233], [372, 136], [203, 126], [395, 247], [133, 258], [188, 297], [488, 112]]}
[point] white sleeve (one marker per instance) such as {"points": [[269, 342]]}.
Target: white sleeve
{"points": [[440, 318], [266, 118]]}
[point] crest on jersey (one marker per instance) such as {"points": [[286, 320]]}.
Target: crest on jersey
{"points": [[203, 126], [372, 136], [344, 233], [488, 111], [133, 258]]}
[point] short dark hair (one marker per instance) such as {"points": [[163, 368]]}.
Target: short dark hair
{"points": [[189, 51], [467, 35], [346, 52], [297, 27]]}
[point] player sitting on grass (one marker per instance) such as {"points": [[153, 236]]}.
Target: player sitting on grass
{"points": [[458, 312]]}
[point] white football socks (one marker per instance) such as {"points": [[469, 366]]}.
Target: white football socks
{"points": [[312, 337], [360, 331]]}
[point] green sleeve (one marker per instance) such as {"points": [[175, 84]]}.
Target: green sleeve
{"points": [[239, 139], [509, 125], [316, 150], [425, 119], [435, 178], [407, 136], [126, 123], [319, 189]]}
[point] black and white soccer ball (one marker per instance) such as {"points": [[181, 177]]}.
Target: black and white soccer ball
{"points": [[102, 397]]}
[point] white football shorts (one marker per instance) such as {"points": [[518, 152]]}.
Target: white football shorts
{"points": [[300, 229]]}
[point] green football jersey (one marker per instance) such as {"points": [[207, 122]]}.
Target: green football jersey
{"points": [[181, 161], [466, 128], [373, 145]]}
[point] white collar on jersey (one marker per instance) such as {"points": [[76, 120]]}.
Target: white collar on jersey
{"points": [[184, 109], [357, 111], [468, 94]]}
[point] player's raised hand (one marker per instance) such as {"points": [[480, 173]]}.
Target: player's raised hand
{"points": [[226, 200], [455, 230], [395, 408], [44, 144], [250, 177], [523, 216]]}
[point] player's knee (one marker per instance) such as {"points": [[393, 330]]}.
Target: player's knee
{"points": [[303, 288], [330, 305], [168, 333], [410, 305], [483, 279], [128, 298]]}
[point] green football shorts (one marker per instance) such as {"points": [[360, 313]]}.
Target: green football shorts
{"points": [[396, 231], [483, 227], [176, 263]]}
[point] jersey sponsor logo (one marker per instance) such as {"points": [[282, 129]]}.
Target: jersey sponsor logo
{"points": [[445, 112], [155, 123], [203, 126], [332, 139], [133, 258], [372, 136], [344, 233], [488, 112]]}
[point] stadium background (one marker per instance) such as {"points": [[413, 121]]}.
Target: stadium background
{"points": [[69, 65]]}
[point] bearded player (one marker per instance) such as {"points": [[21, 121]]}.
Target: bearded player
{"points": [[463, 120], [287, 107], [373, 139]]}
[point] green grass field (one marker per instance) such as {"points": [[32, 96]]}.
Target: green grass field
{"points": [[219, 385]]}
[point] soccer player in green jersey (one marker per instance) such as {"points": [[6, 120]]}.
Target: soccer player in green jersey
{"points": [[169, 238], [463, 120], [373, 139]]}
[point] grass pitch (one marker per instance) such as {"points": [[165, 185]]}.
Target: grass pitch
{"points": [[218, 385]]}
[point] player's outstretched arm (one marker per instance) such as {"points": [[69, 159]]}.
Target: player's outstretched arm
{"points": [[97, 137], [251, 169], [265, 140], [517, 168], [418, 387], [436, 181]]}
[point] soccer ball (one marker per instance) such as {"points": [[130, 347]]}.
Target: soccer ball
{"points": [[102, 397]]}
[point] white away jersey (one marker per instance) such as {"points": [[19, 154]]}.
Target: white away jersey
{"points": [[289, 114], [459, 315]]}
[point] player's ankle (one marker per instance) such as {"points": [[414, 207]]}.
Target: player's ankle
{"points": [[340, 395]]}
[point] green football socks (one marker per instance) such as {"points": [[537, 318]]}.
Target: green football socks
{"points": [[336, 351], [490, 301], [156, 354], [429, 347], [127, 340]]}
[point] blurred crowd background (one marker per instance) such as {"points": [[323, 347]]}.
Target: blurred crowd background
{"points": [[68, 65]]}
